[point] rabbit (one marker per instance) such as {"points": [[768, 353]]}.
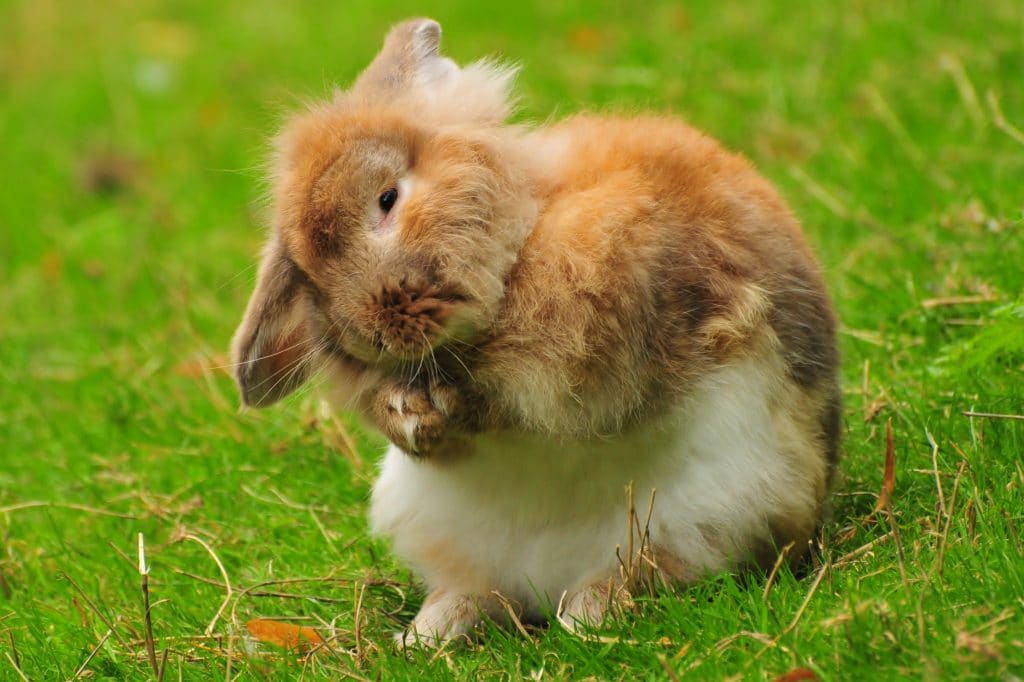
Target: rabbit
{"points": [[539, 318]]}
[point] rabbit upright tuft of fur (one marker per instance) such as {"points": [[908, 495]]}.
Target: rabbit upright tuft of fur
{"points": [[538, 318]]}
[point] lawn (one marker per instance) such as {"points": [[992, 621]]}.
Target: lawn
{"points": [[131, 214]]}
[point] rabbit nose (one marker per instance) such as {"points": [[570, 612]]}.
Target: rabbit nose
{"points": [[409, 317]]}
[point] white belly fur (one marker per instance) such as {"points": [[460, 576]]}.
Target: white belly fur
{"points": [[533, 517]]}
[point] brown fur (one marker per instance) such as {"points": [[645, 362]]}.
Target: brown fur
{"points": [[671, 568]]}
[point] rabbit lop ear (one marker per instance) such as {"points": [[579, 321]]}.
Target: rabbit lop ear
{"points": [[272, 349], [410, 59]]}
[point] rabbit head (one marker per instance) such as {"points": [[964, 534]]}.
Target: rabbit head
{"points": [[397, 219]]}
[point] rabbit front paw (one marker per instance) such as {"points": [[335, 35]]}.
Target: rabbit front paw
{"points": [[415, 417]]}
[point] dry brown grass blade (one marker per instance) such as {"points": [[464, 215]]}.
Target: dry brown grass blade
{"points": [[940, 560], [1013, 531], [935, 469], [852, 556], [17, 667], [638, 571], [669, 671], [999, 119], [158, 668], [163, 665], [96, 610], [971, 513], [92, 654], [38, 504], [889, 475], [970, 299], [993, 415], [901, 557], [357, 619], [952, 65], [144, 572], [224, 574], [775, 569], [807, 599], [253, 592], [14, 650], [585, 636], [285, 502], [771, 642], [510, 609]]}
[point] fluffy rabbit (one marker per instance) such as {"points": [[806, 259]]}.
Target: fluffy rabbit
{"points": [[537, 319]]}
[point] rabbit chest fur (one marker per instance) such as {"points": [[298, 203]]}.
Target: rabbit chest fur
{"points": [[539, 319]]}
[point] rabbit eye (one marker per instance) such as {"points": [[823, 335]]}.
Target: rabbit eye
{"points": [[388, 199]]}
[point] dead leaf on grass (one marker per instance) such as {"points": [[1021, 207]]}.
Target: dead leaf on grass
{"points": [[284, 635], [798, 675], [889, 477]]}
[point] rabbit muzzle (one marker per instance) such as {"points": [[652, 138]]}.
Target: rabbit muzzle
{"points": [[408, 318]]}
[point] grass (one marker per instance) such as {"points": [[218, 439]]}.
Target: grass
{"points": [[130, 218]]}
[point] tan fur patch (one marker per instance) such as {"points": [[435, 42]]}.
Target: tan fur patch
{"points": [[672, 568]]}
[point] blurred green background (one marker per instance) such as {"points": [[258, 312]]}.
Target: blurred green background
{"points": [[131, 212]]}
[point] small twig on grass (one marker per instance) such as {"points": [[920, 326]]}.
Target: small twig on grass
{"points": [[807, 599], [726, 642], [506, 603], [849, 557], [96, 610], [120, 553], [350, 675], [223, 572], [40, 504], [1002, 616], [14, 649], [669, 671], [930, 472], [336, 435], [935, 468], [357, 617], [816, 190], [200, 578], [230, 652], [630, 515], [775, 569], [578, 632], [971, 512], [901, 557], [190, 639], [1013, 531], [930, 303], [92, 654], [323, 531], [639, 571], [968, 95], [993, 415], [772, 641], [250, 591], [17, 667], [163, 665], [285, 502], [941, 559], [150, 646], [1000, 120]]}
